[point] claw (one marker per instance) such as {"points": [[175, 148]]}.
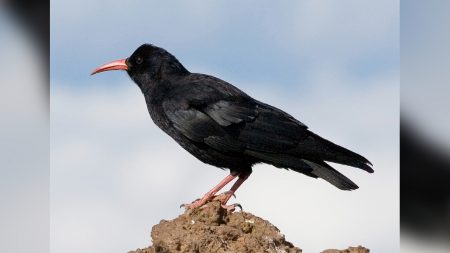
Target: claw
{"points": [[187, 205], [196, 203], [232, 207]]}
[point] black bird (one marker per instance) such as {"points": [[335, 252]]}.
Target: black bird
{"points": [[222, 126]]}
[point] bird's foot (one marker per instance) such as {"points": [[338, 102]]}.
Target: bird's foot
{"points": [[231, 208], [222, 198], [198, 202], [194, 204]]}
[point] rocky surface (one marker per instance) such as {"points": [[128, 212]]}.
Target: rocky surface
{"points": [[358, 249], [213, 229]]}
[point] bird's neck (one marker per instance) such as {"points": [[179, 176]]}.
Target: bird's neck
{"points": [[153, 83], [155, 91], [173, 68]]}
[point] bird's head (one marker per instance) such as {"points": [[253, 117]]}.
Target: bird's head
{"points": [[148, 64]]}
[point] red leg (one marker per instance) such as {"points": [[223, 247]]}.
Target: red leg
{"points": [[227, 195], [211, 193]]}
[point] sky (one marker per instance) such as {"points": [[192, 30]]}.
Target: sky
{"points": [[23, 133], [333, 65], [426, 58]]}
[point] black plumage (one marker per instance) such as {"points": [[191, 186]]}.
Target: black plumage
{"points": [[222, 126]]}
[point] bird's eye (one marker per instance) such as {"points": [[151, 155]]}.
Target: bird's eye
{"points": [[139, 60]]}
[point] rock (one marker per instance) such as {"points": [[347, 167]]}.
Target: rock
{"points": [[214, 229], [358, 249]]}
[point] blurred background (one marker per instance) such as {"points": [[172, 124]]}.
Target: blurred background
{"points": [[24, 126], [314, 60], [332, 65], [425, 124]]}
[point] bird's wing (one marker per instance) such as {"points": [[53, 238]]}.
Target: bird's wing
{"points": [[235, 127], [228, 120], [226, 112], [272, 131], [199, 127], [209, 110], [193, 124]]}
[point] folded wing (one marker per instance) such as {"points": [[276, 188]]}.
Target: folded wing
{"points": [[232, 123]]}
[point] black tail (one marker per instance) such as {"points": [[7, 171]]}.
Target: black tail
{"points": [[317, 148], [325, 171], [310, 168]]}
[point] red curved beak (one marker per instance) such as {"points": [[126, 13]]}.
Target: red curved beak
{"points": [[114, 65]]}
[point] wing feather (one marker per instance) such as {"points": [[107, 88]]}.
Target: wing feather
{"points": [[194, 124]]}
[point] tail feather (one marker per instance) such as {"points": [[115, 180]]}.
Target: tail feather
{"points": [[316, 148], [328, 173], [313, 169]]}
